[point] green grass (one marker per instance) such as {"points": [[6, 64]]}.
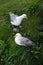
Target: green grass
{"points": [[10, 53]]}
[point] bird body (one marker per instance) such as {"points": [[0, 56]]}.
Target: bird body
{"points": [[20, 40], [16, 22], [15, 19]]}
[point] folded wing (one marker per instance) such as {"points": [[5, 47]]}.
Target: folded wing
{"points": [[26, 41]]}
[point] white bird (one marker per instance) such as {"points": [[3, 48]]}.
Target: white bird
{"points": [[15, 19], [23, 41]]}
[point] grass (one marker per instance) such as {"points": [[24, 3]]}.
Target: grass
{"points": [[10, 53]]}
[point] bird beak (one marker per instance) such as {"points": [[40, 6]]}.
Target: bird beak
{"points": [[26, 17]]}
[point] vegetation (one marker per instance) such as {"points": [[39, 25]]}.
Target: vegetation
{"points": [[10, 53]]}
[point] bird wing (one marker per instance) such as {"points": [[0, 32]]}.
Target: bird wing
{"points": [[12, 16], [25, 41]]}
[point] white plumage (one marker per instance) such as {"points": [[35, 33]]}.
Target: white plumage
{"points": [[15, 19], [23, 41]]}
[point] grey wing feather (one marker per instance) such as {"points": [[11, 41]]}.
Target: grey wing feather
{"points": [[26, 41], [12, 16]]}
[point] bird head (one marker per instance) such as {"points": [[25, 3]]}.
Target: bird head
{"points": [[24, 15], [17, 34]]}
